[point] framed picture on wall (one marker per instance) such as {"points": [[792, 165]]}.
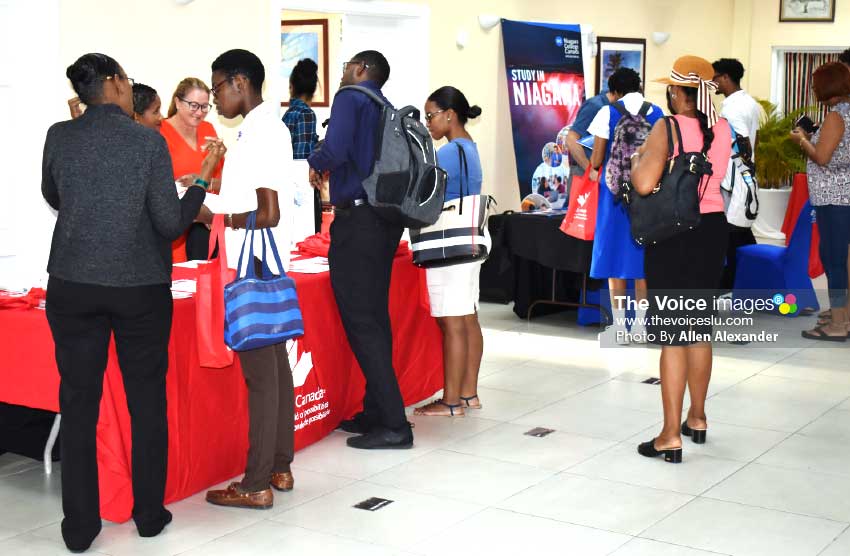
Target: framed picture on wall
{"points": [[807, 10], [306, 38], [614, 53]]}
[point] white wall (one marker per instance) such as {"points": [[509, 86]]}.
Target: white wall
{"points": [[159, 43], [30, 75]]}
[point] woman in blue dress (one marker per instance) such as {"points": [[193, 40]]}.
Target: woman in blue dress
{"points": [[616, 255]]}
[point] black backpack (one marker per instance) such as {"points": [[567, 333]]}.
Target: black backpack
{"points": [[673, 206], [406, 186]]}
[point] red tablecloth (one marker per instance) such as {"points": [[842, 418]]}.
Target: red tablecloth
{"points": [[798, 198], [207, 408]]}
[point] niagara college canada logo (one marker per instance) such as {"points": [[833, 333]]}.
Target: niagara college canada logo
{"points": [[559, 41], [301, 366], [582, 199]]}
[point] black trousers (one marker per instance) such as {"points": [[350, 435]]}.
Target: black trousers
{"points": [[82, 318], [363, 246], [271, 414], [738, 237], [317, 210], [197, 242]]}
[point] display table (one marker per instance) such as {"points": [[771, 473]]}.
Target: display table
{"points": [[207, 408], [550, 267]]}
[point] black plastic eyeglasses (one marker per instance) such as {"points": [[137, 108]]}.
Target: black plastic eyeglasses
{"points": [[195, 106]]}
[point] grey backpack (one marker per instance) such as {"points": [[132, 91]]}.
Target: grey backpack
{"points": [[406, 186]]}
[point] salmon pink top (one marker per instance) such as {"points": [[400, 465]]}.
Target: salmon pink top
{"points": [[718, 155]]}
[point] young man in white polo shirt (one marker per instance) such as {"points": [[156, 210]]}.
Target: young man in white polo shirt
{"points": [[739, 108], [744, 115], [258, 177]]}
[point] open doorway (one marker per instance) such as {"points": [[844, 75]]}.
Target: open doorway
{"points": [[399, 31]]}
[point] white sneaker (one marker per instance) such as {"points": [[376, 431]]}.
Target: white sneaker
{"points": [[638, 334]]}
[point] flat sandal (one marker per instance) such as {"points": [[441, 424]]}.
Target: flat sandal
{"points": [[467, 399], [452, 407]]}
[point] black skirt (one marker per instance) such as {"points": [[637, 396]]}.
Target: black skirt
{"points": [[683, 276]]}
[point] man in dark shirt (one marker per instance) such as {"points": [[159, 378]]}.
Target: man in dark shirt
{"points": [[580, 154], [363, 246]]}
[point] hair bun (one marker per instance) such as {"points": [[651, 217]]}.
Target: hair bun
{"points": [[80, 72], [307, 65], [473, 112]]}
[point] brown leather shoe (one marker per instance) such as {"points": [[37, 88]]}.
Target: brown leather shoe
{"points": [[282, 481], [234, 496]]}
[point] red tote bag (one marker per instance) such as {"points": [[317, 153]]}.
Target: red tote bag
{"points": [[209, 302], [580, 220]]}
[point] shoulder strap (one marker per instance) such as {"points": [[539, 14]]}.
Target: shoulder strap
{"points": [[464, 170], [368, 92], [644, 109], [619, 107], [669, 127], [678, 135]]}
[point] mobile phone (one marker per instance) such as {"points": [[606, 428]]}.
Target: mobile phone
{"points": [[805, 123]]}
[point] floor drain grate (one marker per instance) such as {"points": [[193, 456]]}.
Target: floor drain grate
{"points": [[373, 504], [539, 432]]}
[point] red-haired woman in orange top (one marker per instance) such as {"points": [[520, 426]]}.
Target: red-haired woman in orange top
{"points": [[186, 132]]}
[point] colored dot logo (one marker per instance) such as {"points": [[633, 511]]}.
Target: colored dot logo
{"points": [[559, 41], [787, 303]]}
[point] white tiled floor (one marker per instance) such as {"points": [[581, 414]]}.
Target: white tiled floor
{"points": [[773, 479]]}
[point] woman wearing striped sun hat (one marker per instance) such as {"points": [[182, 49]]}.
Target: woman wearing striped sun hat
{"points": [[691, 260]]}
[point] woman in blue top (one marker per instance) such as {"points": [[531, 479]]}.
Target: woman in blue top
{"points": [[616, 255], [453, 290]]}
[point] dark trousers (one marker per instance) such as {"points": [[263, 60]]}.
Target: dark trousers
{"points": [[82, 317], [363, 246], [834, 227], [197, 242], [738, 237], [271, 414], [317, 210]]}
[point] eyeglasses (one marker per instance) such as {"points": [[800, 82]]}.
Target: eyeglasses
{"points": [[130, 80], [195, 106], [346, 64], [215, 87], [430, 115]]}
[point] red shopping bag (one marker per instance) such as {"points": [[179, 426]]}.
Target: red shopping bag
{"points": [[209, 302], [580, 220]]}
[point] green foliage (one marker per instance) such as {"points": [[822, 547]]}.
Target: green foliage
{"points": [[777, 157]]}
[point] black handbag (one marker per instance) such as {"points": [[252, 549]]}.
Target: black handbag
{"points": [[673, 206]]}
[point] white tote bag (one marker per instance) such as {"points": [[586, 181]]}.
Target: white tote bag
{"points": [[460, 235]]}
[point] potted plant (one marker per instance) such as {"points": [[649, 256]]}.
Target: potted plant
{"points": [[777, 157], [777, 160]]}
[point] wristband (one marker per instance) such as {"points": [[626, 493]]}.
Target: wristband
{"points": [[203, 183]]}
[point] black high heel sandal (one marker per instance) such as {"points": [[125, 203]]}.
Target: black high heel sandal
{"points": [[697, 435], [671, 455]]}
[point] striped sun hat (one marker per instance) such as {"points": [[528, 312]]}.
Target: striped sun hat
{"points": [[696, 72]]}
